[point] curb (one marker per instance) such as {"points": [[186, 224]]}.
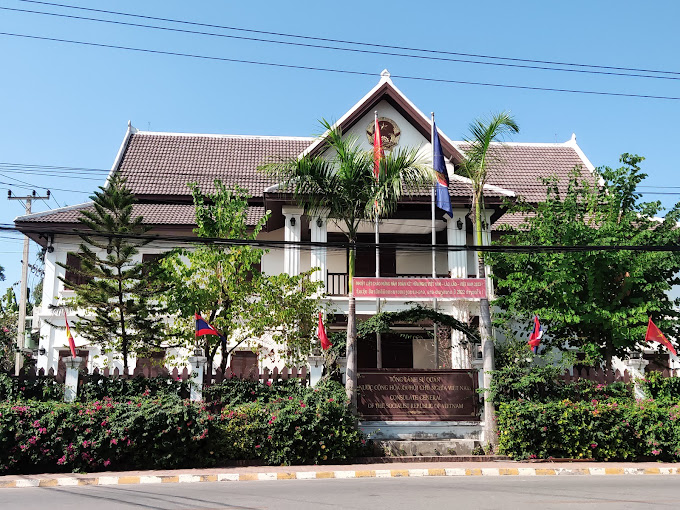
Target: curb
{"points": [[80, 480]]}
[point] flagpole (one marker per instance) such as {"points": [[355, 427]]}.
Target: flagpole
{"points": [[378, 338], [434, 242]]}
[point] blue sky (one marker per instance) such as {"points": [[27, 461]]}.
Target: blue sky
{"points": [[68, 105]]}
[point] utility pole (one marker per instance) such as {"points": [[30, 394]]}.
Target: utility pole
{"points": [[21, 329]]}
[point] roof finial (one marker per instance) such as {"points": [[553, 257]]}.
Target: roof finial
{"points": [[385, 73], [573, 137], [129, 124]]}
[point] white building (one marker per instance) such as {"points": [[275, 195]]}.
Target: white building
{"points": [[158, 166]]}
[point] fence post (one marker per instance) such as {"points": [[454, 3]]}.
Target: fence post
{"points": [[71, 381], [636, 368], [197, 365], [315, 369]]}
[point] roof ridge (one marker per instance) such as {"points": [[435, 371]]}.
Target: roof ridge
{"points": [[52, 211], [218, 135]]}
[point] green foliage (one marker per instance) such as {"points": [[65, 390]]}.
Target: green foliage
{"points": [[382, 322], [598, 429], [119, 295], [522, 375], [313, 427], [282, 423], [100, 387], [658, 387], [223, 282], [9, 319], [141, 433], [42, 389], [598, 301]]}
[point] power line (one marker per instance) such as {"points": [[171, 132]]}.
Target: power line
{"points": [[414, 247], [338, 71], [356, 43], [337, 48]]}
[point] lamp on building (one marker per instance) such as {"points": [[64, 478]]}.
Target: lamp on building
{"points": [[292, 221], [42, 351], [459, 224], [319, 222]]}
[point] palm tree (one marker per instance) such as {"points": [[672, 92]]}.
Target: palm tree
{"points": [[475, 166], [341, 182]]}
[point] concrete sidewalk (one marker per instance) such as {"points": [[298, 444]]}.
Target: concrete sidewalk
{"points": [[392, 470]]}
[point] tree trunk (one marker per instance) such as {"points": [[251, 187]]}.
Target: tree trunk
{"points": [[608, 354], [489, 363], [123, 334], [488, 366], [351, 374]]}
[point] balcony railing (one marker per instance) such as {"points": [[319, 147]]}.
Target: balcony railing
{"points": [[336, 283]]}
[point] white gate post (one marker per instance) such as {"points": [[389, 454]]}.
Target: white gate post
{"points": [[315, 369], [636, 368], [197, 366], [71, 381]]}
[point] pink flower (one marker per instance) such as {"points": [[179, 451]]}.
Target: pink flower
{"points": [[593, 445], [62, 460], [36, 423], [331, 400], [269, 437], [107, 462], [656, 452], [114, 441], [257, 446]]}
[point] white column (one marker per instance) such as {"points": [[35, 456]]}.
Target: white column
{"points": [[315, 369], [318, 225], [457, 260], [461, 349], [197, 367], [291, 254], [71, 381]]}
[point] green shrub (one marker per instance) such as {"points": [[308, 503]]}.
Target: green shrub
{"points": [[283, 423], [98, 387], [602, 430], [297, 427], [141, 433], [43, 389], [658, 387], [234, 392]]}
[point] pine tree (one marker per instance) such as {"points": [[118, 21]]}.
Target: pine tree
{"points": [[117, 293]]}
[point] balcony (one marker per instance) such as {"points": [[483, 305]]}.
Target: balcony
{"points": [[336, 283]]}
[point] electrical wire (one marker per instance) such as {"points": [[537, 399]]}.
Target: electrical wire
{"points": [[402, 246], [356, 43], [338, 71], [337, 48]]}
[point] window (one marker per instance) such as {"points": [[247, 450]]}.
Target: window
{"points": [[73, 262]]}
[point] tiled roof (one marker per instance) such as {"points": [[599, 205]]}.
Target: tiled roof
{"points": [[520, 167], [163, 164], [511, 220], [154, 214]]}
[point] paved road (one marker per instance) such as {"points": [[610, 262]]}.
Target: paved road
{"points": [[469, 493]]}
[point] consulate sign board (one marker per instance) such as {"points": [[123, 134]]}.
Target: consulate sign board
{"points": [[394, 394], [424, 288]]}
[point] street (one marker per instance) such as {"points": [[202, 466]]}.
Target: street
{"points": [[516, 492]]}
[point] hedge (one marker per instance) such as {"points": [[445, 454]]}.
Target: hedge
{"points": [[287, 424], [599, 429]]}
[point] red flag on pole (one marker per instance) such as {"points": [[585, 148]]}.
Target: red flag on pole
{"points": [[325, 343], [655, 335], [69, 336], [378, 151]]}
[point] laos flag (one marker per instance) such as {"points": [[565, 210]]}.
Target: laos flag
{"points": [[203, 328], [442, 197]]}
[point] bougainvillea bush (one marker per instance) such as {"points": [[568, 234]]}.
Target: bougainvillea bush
{"points": [[277, 424], [141, 433], [599, 429], [297, 427]]}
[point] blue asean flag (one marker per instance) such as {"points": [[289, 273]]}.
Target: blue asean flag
{"points": [[442, 198]]}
